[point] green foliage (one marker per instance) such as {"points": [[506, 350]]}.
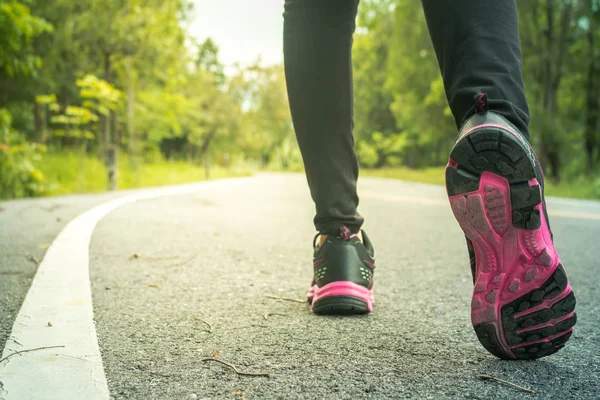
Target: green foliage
{"points": [[420, 105], [371, 51], [562, 74], [399, 77], [158, 113], [93, 77], [99, 98], [397, 84], [19, 175], [18, 28], [99, 95], [123, 75], [260, 94], [208, 60], [78, 172], [380, 149], [367, 154]]}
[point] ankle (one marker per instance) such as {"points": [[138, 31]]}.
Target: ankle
{"points": [[323, 238]]}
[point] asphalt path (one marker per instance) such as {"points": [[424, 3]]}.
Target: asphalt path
{"points": [[178, 279]]}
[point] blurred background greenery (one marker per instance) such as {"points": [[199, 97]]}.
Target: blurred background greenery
{"points": [[103, 94]]}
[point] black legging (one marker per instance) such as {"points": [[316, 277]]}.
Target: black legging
{"points": [[478, 50]]}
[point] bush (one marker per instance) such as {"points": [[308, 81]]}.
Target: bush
{"points": [[19, 176], [596, 188], [367, 154]]}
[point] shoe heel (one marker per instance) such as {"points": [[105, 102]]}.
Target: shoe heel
{"points": [[342, 297]]}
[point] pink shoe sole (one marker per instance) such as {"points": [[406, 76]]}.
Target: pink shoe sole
{"points": [[523, 306], [342, 297]]}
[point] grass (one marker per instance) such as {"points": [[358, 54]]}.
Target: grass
{"points": [[578, 187], [71, 172], [425, 175], [68, 172]]}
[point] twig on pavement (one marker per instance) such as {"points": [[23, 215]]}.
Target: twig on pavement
{"points": [[285, 298], [181, 264], [266, 316], [207, 323], [137, 256], [160, 374], [493, 378], [34, 259], [233, 367], [27, 351], [52, 207], [75, 357]]}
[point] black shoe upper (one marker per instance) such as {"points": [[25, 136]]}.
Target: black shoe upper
{"points": [[344, 258]]}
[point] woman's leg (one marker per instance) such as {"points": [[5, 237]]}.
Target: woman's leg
{"points": [[522, 306], [478, 50], [318, 68]]}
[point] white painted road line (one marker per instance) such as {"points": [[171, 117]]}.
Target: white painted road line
{"points": [[60, 296]]}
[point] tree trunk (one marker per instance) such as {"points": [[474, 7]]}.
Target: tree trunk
{"points": [[412, 157], [555, 55], [66, 142], [549, 58], [117, 134], [39, 117], [438, 158], [207, 164], [189, 153], [111, 159], [205, 151], [106, 132], [130, 113], [111, 155], [110, 150], [285, 164], [554, 160], [593, 97]]}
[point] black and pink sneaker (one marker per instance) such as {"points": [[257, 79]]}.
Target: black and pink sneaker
{"points": [[523, 306], [343, 275]]}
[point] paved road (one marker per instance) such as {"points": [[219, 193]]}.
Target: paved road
{"points": [[162, 269]]}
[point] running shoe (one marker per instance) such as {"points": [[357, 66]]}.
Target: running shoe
{"points": [[523, 306], [343, 275]]}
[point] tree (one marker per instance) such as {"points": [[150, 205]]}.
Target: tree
{"points": [[262, 96], [420, 106], [208, 60], [546, 30], [373, 99], [591, 24], [18, 28], [18, 58]]}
